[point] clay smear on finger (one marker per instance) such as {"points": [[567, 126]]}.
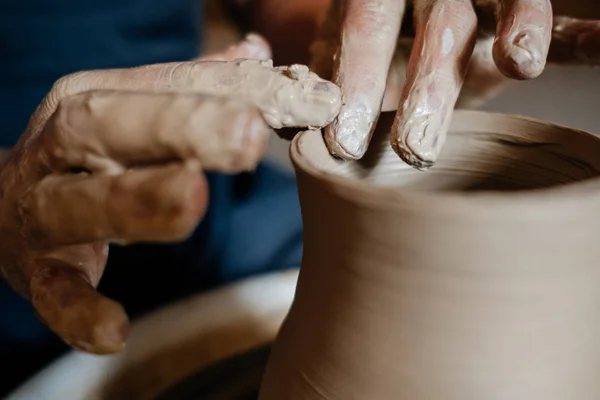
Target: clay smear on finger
{"points": [[436, 72], [523, 37], [288, 96], [574, 41], [367, 41]]}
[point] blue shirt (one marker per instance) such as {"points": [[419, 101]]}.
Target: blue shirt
{"points": [[253, 223], [42, 40]]}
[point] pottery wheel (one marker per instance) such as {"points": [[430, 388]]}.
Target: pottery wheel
{"points": [[236, 378], [212, 346]]}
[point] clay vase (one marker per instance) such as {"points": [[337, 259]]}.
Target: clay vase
{"points": [[476, 280]]}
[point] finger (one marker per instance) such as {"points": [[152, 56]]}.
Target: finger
{"points": [[523, 37], [575, 41], [286, 96], [444, 40], [368, 37], [66, 300], [252, 47], [483, 79], [152, 204], [104, 131]]}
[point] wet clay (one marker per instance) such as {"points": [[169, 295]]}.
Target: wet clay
{"points": [[477, 279], [288, 96]]}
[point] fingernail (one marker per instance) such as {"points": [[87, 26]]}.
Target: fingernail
{"points": [[351, 132], [323, 87], [328, 94], [320, 103], [528, 52], [418, 139], [104, 339], [109, 337], [257, 46]]}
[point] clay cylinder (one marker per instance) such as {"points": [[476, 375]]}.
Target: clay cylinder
{"points": [[477, 279]]}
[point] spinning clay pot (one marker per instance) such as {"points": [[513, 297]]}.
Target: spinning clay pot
{"points": [[478, 279]]}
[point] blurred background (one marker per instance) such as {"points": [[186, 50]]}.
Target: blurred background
{"points": [[563, 95]]}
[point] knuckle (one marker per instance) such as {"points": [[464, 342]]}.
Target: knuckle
{"points": [[60, 128], [68, 85], [61, 89], [73, 121]]}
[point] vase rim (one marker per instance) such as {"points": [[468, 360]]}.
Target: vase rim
{"points": [[590, 187]]}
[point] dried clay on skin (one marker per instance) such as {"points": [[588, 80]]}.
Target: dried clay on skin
{"points": [[292, 97]]}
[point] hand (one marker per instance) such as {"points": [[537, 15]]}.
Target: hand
{"points": [[574, 42], [363, 34], [116, 155]]}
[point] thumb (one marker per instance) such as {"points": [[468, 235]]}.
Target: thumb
{"points": [[66, 300], [252, 47]]}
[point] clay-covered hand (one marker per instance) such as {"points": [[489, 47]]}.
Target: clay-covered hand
{"points": [[445, 34], [574, 42], [117, 155]]}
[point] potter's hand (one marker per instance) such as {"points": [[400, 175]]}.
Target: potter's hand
{"points": [[574, 42], [115, 155], [444, 40]]}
